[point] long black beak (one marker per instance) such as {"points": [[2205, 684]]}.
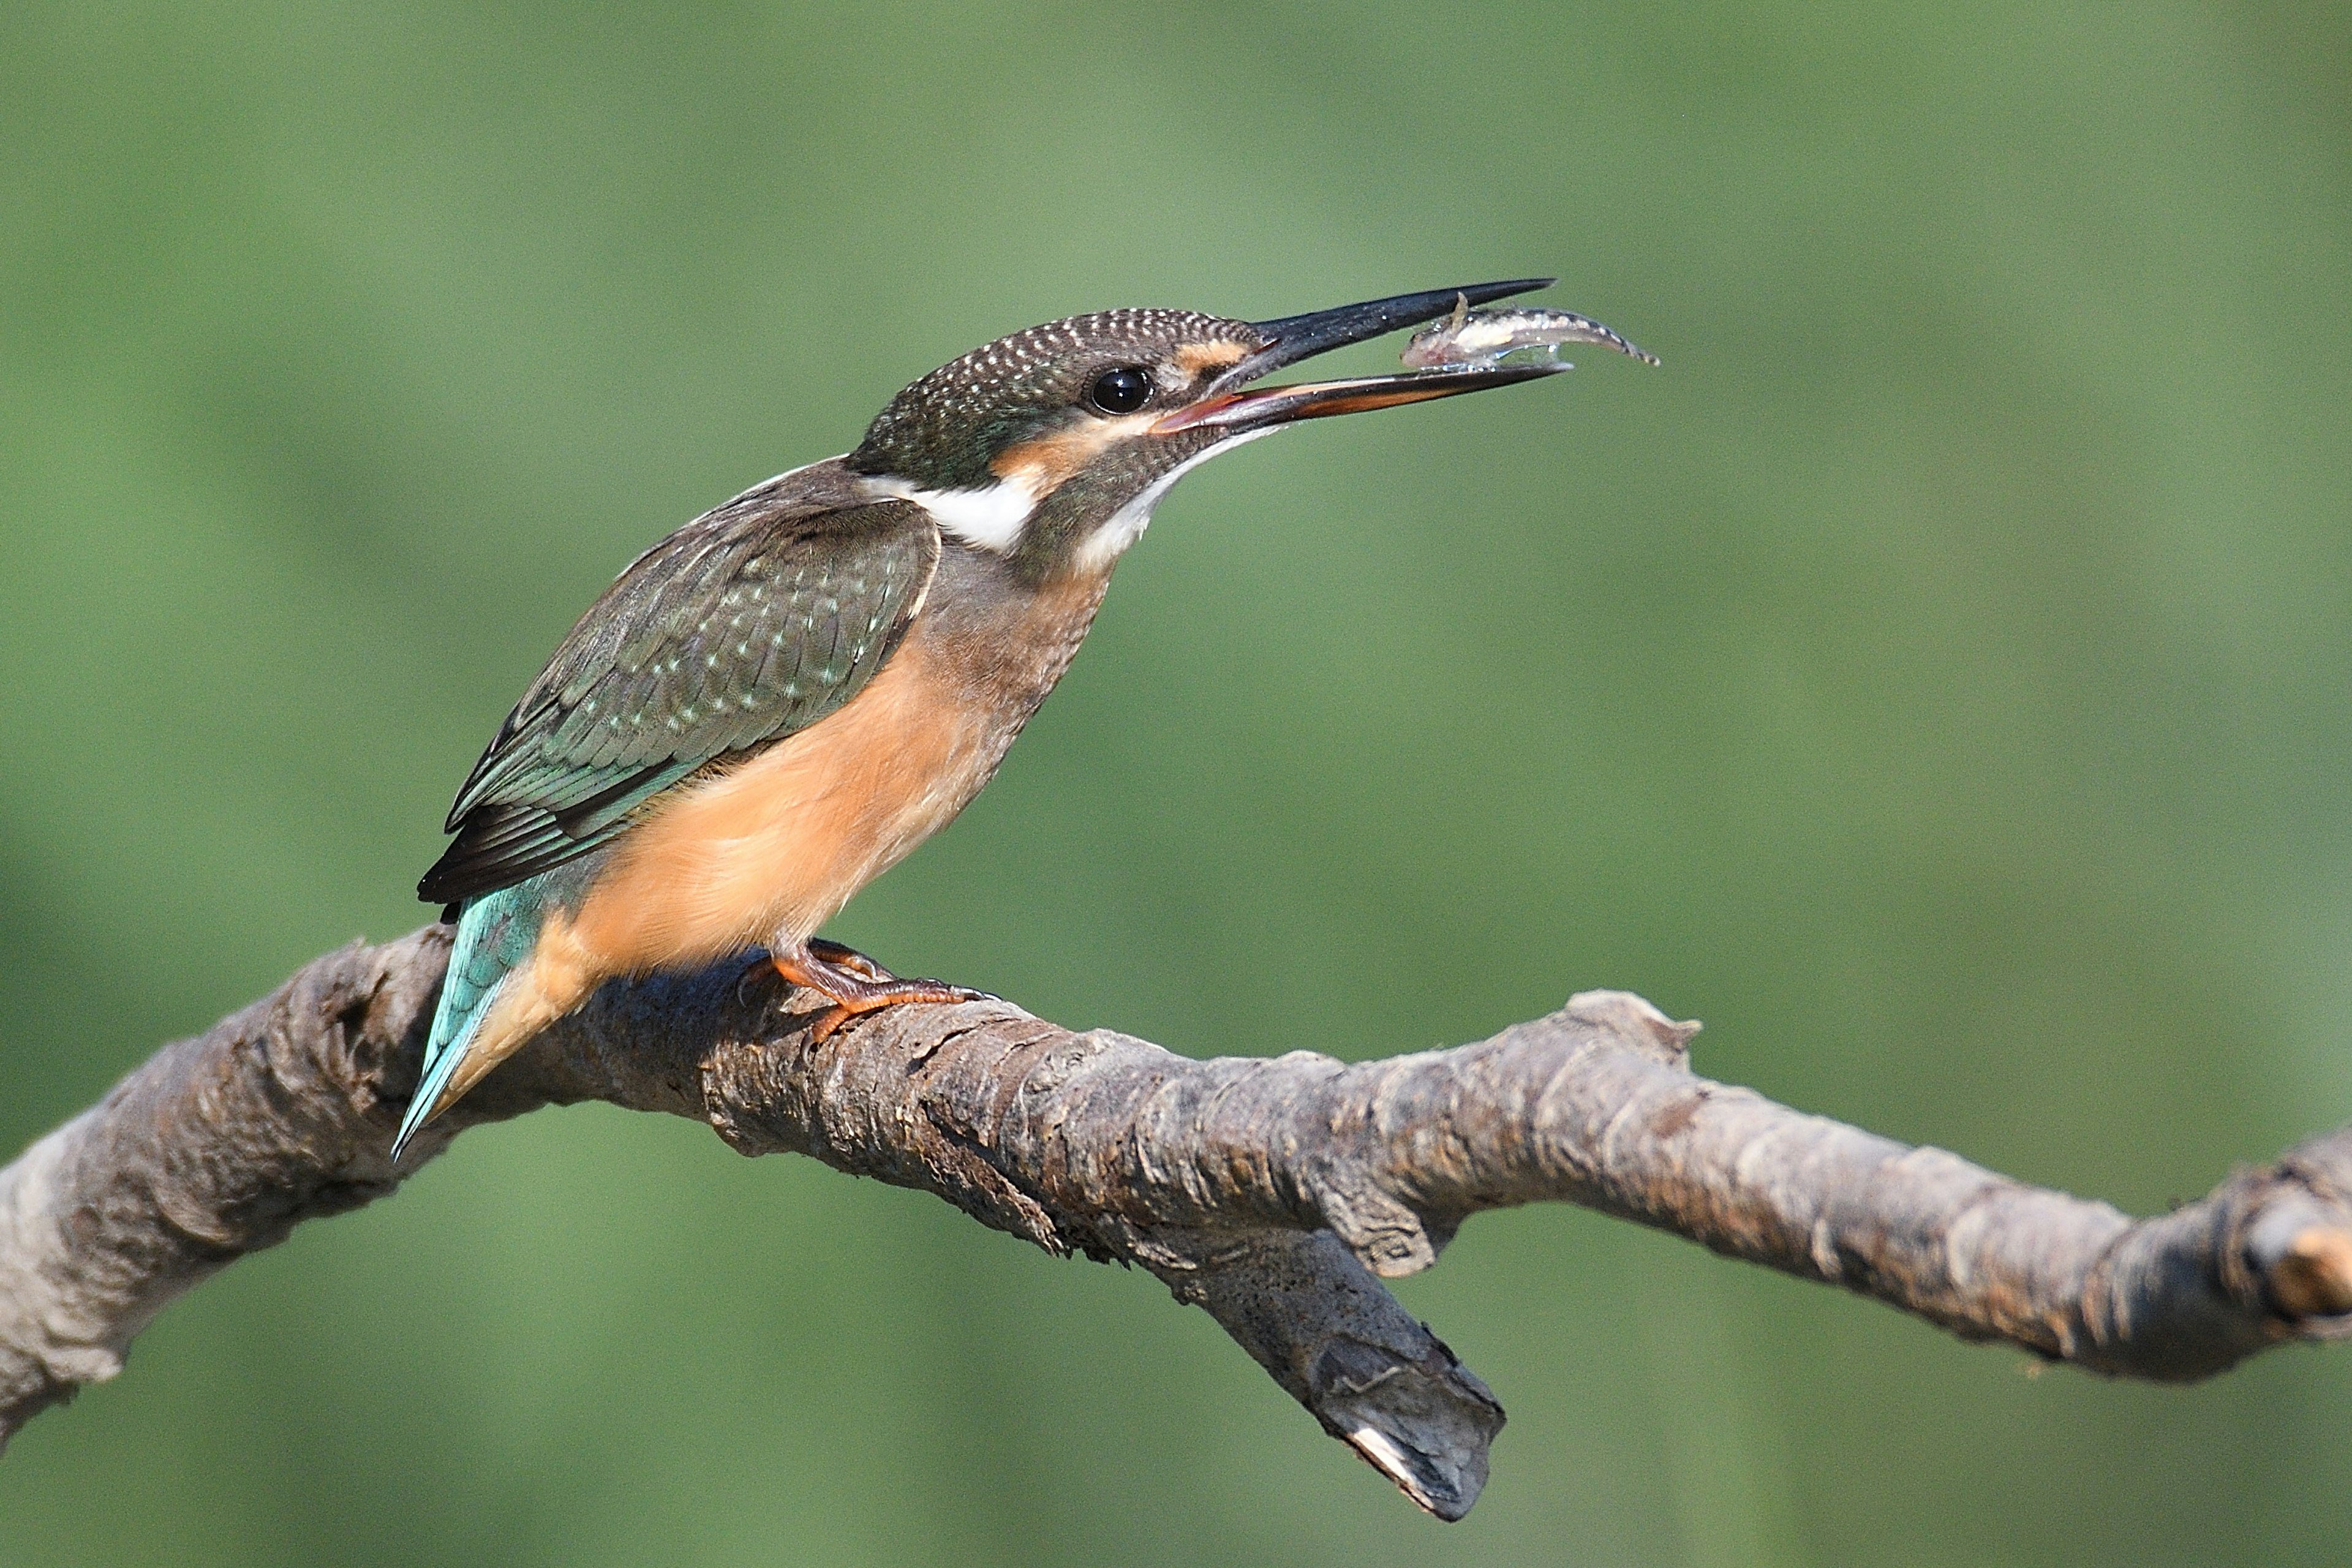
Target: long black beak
{"points": [[1289, 338]]}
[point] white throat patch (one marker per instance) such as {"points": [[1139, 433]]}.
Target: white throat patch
{"points": [[1124, 526], [990, 518]]}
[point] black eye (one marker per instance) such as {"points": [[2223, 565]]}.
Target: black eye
{"points": [[1120, 391]]}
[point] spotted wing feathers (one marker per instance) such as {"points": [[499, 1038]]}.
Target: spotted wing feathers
{"points": [[750, 623]]}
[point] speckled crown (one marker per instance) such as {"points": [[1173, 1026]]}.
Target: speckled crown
{"points": [[945, 427]]}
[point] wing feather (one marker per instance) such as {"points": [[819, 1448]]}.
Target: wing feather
{"points": [[750, 623]]}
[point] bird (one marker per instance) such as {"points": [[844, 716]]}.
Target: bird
{"points": [[777, 703]]}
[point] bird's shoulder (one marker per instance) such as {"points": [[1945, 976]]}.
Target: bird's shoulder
{"points": [[748, 624], [796, 540]]}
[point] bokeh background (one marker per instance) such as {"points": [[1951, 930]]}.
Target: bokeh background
{"points": [[1935, 679]]}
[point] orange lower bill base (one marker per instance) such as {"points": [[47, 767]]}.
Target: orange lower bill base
{"points": [[1319, 399]]}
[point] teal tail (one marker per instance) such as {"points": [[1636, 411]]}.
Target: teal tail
{"points": [[495, 934]]}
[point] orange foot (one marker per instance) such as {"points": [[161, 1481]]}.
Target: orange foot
{"points": [[854, 984]]}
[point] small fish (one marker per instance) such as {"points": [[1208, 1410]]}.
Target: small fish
{"points": [[1469, 337]]}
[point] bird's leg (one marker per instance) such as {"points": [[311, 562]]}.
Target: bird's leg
{"points": [[853, 983], [843, 956]]}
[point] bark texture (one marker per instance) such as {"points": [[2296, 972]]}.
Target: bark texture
{"points": [[1272, 1193]]}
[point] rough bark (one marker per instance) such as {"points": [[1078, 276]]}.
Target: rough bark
{"points": [[1271, 1193]]}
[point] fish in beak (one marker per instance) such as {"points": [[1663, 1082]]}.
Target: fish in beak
{"points": [[1290, 339]]}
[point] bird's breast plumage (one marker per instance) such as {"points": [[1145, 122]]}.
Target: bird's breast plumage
{"points": [[773, 846]]}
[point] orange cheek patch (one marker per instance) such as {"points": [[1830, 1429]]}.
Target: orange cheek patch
{"points": [[1193, 359], [1047, 462]]}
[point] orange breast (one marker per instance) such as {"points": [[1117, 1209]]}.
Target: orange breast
{"points": [[780, 843], [773, 847]]}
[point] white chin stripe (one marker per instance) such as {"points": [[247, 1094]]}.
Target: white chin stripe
{"points": [[1126, 525], [990, 518]]}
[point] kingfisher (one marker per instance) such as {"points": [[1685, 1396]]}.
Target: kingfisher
{"points": [[779, 701]]}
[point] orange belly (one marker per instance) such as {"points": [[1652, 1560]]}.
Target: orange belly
{"points": [[772, 848], [777, 845], [769, 849]]}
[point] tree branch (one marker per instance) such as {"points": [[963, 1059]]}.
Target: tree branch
{"points": [[1270, 1193]]}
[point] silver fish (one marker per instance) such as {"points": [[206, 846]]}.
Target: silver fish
{"points": [[1469, 337]]}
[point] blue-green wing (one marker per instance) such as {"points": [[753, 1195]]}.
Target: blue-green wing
{"points": [[753, 622]]}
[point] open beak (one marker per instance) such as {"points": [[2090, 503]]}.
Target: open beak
{"points": [[1290, 339]]}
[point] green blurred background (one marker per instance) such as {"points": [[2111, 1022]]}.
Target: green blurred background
{"points": [[1934, 679]]}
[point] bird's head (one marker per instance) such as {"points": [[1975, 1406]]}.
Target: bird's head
{"points": [[1050, 448]]}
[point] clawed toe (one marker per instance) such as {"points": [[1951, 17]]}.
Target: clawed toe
{"points": [[854, 984], [842, 956]]}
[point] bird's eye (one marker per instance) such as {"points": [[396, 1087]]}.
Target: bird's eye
{"points": [[1120, 391]]}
